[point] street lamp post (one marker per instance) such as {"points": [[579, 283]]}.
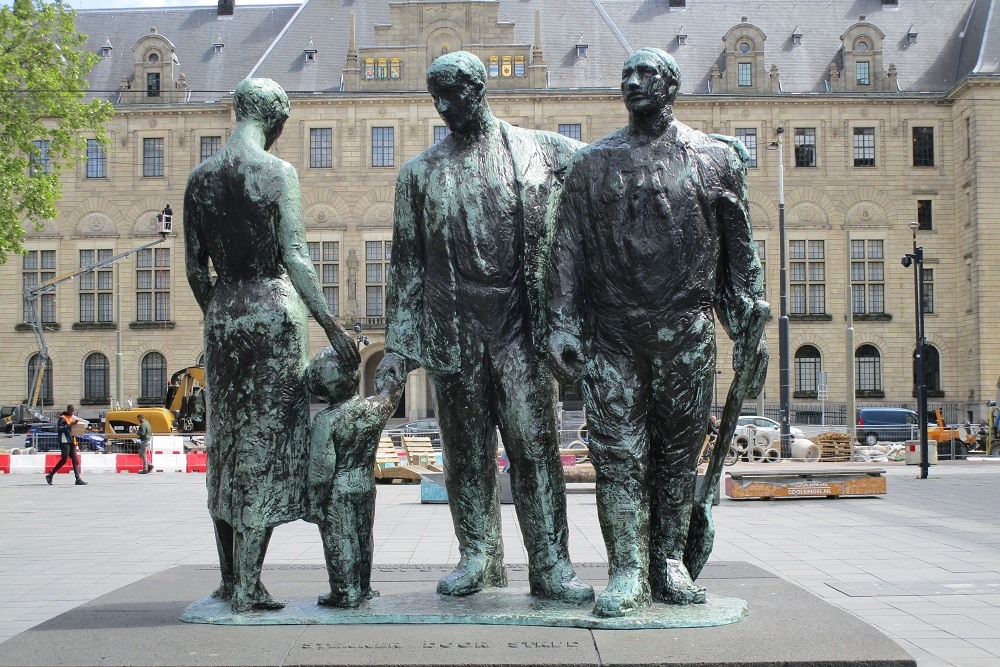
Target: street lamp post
{"points": [[784, 395], [916, 260]]}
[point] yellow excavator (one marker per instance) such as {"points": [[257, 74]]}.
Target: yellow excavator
{"points": [[183, 410]]}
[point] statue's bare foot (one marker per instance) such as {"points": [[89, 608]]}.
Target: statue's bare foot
{"points": [[673, 585], [472, 576], [562, 585], [626, 594]]}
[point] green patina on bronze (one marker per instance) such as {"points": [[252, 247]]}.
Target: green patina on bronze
{"points": [[343, 441], [652, 234], [464, 301], [243, 213]]}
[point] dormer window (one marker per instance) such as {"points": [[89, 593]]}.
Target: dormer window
{"points": [[152, 84], [682, 38], [581, 50], [677, 4], [862, 70], [911, 35], [310, 53], [796, 36], [107, 49], [218, 45], [861, 46], [153, 58], [890, 3], [744, 48]]}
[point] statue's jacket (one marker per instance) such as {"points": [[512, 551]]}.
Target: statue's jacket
{"points": [[422, 312]]}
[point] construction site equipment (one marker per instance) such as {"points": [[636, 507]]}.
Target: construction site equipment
{"points": [[186, 399], [952, 442], [912, 452], [121, 427], [804, 483], [17, 418], [32, 293], [834, 446]]}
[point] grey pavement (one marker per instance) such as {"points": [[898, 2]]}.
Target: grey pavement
{"points": [[921, 564]]}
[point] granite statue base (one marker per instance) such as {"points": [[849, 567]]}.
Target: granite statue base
{"points": [[139, 625], [496, 606]]}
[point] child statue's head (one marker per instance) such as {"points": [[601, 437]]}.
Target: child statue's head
{"points": [[330, 378]]}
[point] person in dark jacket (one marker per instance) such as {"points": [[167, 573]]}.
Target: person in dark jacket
{"points": [[67, 445]]}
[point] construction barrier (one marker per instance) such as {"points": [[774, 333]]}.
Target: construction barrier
{"points": [[5, 463], [128, 463], [197, 462]]}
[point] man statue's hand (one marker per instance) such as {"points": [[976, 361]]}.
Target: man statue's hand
{"points": [[751, 365], [390, 374], [344, 345], [566, 355]]}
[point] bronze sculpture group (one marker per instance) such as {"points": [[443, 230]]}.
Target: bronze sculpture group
{"points": [[514, 252]]}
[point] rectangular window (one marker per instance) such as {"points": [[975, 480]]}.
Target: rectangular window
{"points": [[96, 292], [925, 214], [867, 277], [748, 135], [762, 254], [210, 146], [97, 160], [441, 132], [383, 147], [805, 147], [864, 147], [807, 277], [325, 256], [152, 157], [861, 69], [744, 74], [41, 160], [321, 147], [152, 285], [968, 137], [152, 84], [927, 277], [571, 130], [923, 147], [37, 267], [377, 257]]}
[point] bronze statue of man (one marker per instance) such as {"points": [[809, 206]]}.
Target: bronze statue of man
{"points": [[652, 233], [464, 302], [243, 212]]}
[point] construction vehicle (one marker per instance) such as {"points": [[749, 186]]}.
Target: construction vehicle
{"points": [[186, 399], [17, 419], [122, 426], [951, 442]]}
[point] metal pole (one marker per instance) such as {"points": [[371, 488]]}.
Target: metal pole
{"points": [[118, 337], [849, 351], [918, 293], [783, 353]]}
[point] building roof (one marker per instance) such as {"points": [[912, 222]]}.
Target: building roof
{"points": [[933, 43]]}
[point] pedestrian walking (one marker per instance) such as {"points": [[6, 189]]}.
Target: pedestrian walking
{"points": [[145, 435], [67, 446]]}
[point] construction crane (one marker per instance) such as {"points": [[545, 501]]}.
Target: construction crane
{"points": [[33, 294]]}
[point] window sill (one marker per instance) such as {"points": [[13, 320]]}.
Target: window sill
{"points": [[152, 325], [872, 317], [869, 393], [814, 317], [96, 401], [48, 326], [94, 326]]}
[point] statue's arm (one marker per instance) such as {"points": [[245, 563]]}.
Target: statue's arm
{"points": [[563, 275], [295, 255], [740, 279], [195, 251], [405, 283]]}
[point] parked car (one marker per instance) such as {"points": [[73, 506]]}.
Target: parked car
{"points": [[887, 425], [44, 438], [421, 427], [751, 428]]}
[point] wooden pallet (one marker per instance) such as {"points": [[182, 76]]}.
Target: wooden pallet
{"points": [[806, 483], [834, 446]]}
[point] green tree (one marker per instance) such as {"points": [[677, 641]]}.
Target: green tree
{"points": [[42, 99]]}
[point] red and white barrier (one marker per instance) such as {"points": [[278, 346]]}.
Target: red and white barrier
{"points": [[162, 461]]}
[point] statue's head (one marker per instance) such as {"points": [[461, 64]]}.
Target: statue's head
{"points": [[327, 376], [457, 84], [650, 79], [262, 101]]}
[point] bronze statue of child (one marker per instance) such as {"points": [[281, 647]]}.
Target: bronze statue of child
{"points": [[343, 440]]}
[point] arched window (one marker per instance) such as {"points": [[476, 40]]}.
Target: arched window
{"points": [[867, 369], [96, 379], [153, 378], [808, 364], [45, 397], [932, 368]]}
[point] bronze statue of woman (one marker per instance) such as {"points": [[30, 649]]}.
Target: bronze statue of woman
{"points": [[243, 212]]}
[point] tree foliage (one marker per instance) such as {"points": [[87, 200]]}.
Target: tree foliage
{"points": [[41, 98]]}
